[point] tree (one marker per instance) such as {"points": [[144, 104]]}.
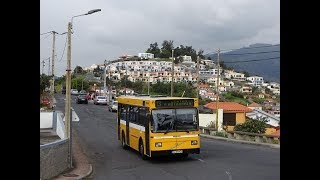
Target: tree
{"points": [[166, 50], [44, 82], [246, 74], [258, 125], [76, 83], [209, 58], [154, 49], [200, 54], [78, 70]]}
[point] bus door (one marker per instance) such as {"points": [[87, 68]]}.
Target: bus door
{"points": [[147, 130], [127, 125]]}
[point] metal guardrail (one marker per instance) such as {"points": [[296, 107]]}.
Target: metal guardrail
{"points": [[260, 138]]}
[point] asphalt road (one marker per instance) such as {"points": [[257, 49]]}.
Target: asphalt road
{"points": [[217, 160]]}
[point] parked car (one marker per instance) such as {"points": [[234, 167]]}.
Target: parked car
{"points": [[100, 100], [45, 102], [113, 106], [82, 92], [82, 99], [74, 92]]}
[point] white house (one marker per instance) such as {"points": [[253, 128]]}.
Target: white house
{"points": [[230, 74], [255, 80], [256, 113], [146, 55], [246, 89]]}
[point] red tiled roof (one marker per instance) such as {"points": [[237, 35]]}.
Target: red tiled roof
{"points": [[276, 133], [254, 105], [228, 106]]}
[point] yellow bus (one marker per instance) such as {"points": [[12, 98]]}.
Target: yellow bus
{"points": [[157, 125]]}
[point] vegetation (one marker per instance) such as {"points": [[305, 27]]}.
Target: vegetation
{"points": [[221, 134], [234, 97], [203, 101], [44, 82], [252, 125], [166, 51]]}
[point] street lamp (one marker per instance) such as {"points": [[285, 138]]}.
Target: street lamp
{"points": [[104, 77], [68, 83]]}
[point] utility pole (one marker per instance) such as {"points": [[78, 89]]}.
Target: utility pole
{"points": [[53, 55], [125, 82], [172, 75], [68, 84], [198, 77], [82, 84], [49, 67], [149, 84], [110, 88], [105, 78], [217, 90], [42, 66]]}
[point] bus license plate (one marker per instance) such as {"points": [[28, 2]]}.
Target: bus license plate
{"points": [[177, 152]]}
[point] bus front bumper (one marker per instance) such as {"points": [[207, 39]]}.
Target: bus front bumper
{"points": [[175, 152]]}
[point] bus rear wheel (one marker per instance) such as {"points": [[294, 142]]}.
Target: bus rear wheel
{"points": [[141, 151]]}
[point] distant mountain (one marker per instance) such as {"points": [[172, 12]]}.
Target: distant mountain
{"points": [[257, 59]]}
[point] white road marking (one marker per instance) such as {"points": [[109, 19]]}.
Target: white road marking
{"points": [[229, 175]]}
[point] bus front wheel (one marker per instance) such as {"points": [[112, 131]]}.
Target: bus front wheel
{"points": [[141, 151], [123, 142]]}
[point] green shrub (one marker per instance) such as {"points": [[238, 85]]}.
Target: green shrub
{"points": [[252, 126], [221, 134]]}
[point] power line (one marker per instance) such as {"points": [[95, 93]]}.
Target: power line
{"points": [[46, 36], [63, 49], [46, 33], [251, 47], [211, 49], [251, 60], [251, 53]]}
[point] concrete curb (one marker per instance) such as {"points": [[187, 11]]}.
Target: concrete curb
{"points": [[276, 146], [87, 174]]}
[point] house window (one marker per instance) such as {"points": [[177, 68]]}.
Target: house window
{"points": [[229, 119]]}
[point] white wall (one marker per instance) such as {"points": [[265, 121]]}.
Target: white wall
{"points": [[205, 119], [60, 126], [46, 119]]}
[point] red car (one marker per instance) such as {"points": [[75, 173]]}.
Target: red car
{"points": [[45, 102]]}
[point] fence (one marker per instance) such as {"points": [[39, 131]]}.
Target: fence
{"points": [[259, 138]]}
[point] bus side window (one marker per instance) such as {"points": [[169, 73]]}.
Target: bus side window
{"points": [[123, 111], [143, 116], [132, 117]]}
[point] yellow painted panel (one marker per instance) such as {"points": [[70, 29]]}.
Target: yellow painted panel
{"points": [[270, 130], [240, 117]]}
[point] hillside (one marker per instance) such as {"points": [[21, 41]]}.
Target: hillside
{"points": [[266, 63]]}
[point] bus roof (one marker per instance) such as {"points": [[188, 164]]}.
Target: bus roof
{"points": [[149, 101], [153, 97]]}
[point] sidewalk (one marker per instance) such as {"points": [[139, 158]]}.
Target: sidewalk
{"points": [[82, 168]]}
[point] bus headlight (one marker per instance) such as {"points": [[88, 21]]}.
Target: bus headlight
{"points": [[158, 144], [195, 142]]}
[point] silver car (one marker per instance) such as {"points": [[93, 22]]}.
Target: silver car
{"points": [[100, 100], [113, 106]]}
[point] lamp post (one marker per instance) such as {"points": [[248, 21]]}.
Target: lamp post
{"points": [[105, 78], [172, 69], [68, 83]]}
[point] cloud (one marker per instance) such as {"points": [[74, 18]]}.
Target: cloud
{"points": [[129, 27]]}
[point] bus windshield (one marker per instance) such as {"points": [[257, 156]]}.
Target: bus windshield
{"points": [[169, 120]]}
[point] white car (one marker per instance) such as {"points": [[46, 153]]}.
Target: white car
{"points": [[100, 100], [113, 106], [74, 92]]}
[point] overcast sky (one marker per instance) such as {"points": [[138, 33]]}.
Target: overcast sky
{"points": [[130, 26]]}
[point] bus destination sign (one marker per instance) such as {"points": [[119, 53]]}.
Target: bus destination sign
{"points": [[174, 103]]}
